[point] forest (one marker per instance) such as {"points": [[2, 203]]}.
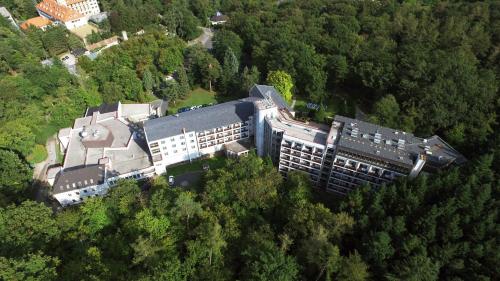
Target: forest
{"points": [[429, 67]]}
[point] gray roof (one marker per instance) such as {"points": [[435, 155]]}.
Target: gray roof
{"points": [[394, 146], [200, 119], [376, 141], [80, 177], [264, 91]]}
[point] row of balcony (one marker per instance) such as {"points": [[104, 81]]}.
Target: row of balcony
{"points": [[303, 148], [290, 152], [301, 162], [225, 129]]}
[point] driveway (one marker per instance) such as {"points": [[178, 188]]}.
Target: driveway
{"points": [[205, 39]]}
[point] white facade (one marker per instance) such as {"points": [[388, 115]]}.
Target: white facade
{"points": [[191, 145], [72, 24], [85, 7]]}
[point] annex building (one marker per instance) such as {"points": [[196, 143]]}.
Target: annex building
{"points": [[337, 157]]}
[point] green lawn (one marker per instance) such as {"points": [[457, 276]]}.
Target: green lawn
{"points": [[59, 155], [197, 96], [38, 154], [339, 103], [197, 165]]}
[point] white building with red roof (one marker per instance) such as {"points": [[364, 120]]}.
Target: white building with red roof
{"points": [[61, 14]]}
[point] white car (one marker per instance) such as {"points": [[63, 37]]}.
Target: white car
{"points": [[171, 180]]}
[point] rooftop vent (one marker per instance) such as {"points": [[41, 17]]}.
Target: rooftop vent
{"points": [[354, 132], [401, 144], [377, 138]]}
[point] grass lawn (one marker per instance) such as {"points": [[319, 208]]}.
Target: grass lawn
{"points": [[339, 103], [59, 155], [38, 154], [197, 165], [197, 96]]}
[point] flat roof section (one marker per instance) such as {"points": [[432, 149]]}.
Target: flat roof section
{"points": [[376, 141], [300, 130], [201, 119]]}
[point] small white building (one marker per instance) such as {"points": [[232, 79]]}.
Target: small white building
{"points": [[218, 19]]}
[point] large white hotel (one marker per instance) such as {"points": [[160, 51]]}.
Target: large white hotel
{"points": [[339, 157]]}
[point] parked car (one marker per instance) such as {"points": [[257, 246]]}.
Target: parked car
{"points": [[206, 167], [171, 180]]}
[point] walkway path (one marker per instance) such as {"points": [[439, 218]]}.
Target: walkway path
{"points": [[40, 171], [204, 39]]}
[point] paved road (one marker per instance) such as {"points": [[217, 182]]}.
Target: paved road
{"points": [[188, 179], [204, 39]]}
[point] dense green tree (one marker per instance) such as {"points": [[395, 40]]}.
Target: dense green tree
{"points": [[14, 172], [34, 267], [26, 228], [224, 40], [353, 268], [147, 80], [282, 81], [249, 77]]}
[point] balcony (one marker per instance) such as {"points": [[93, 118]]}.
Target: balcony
{"points": [[201, 134], [244, 135], [286, 144], [296, 153], [317, 160], [220, 135]]}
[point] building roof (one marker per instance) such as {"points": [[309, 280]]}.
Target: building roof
{"points": [[201, 119], [103, 43], [71, 2], [78, 52], [57, 11], [375, 141], [103, 108], [264, 91], [238, 146], [218, 17], [78, 177], [38, 22], [392, 145]]}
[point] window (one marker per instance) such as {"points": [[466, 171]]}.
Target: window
{"points": [[192, 141], [166, 153], [183, 143], [155, 151], [172, 139], [174, 145], [85, 190], [175, 151], [154, 145], [181, 137], [192, 146], [77, 193], [191, 135], [164, 148], [162, 142], [184, 149]]}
